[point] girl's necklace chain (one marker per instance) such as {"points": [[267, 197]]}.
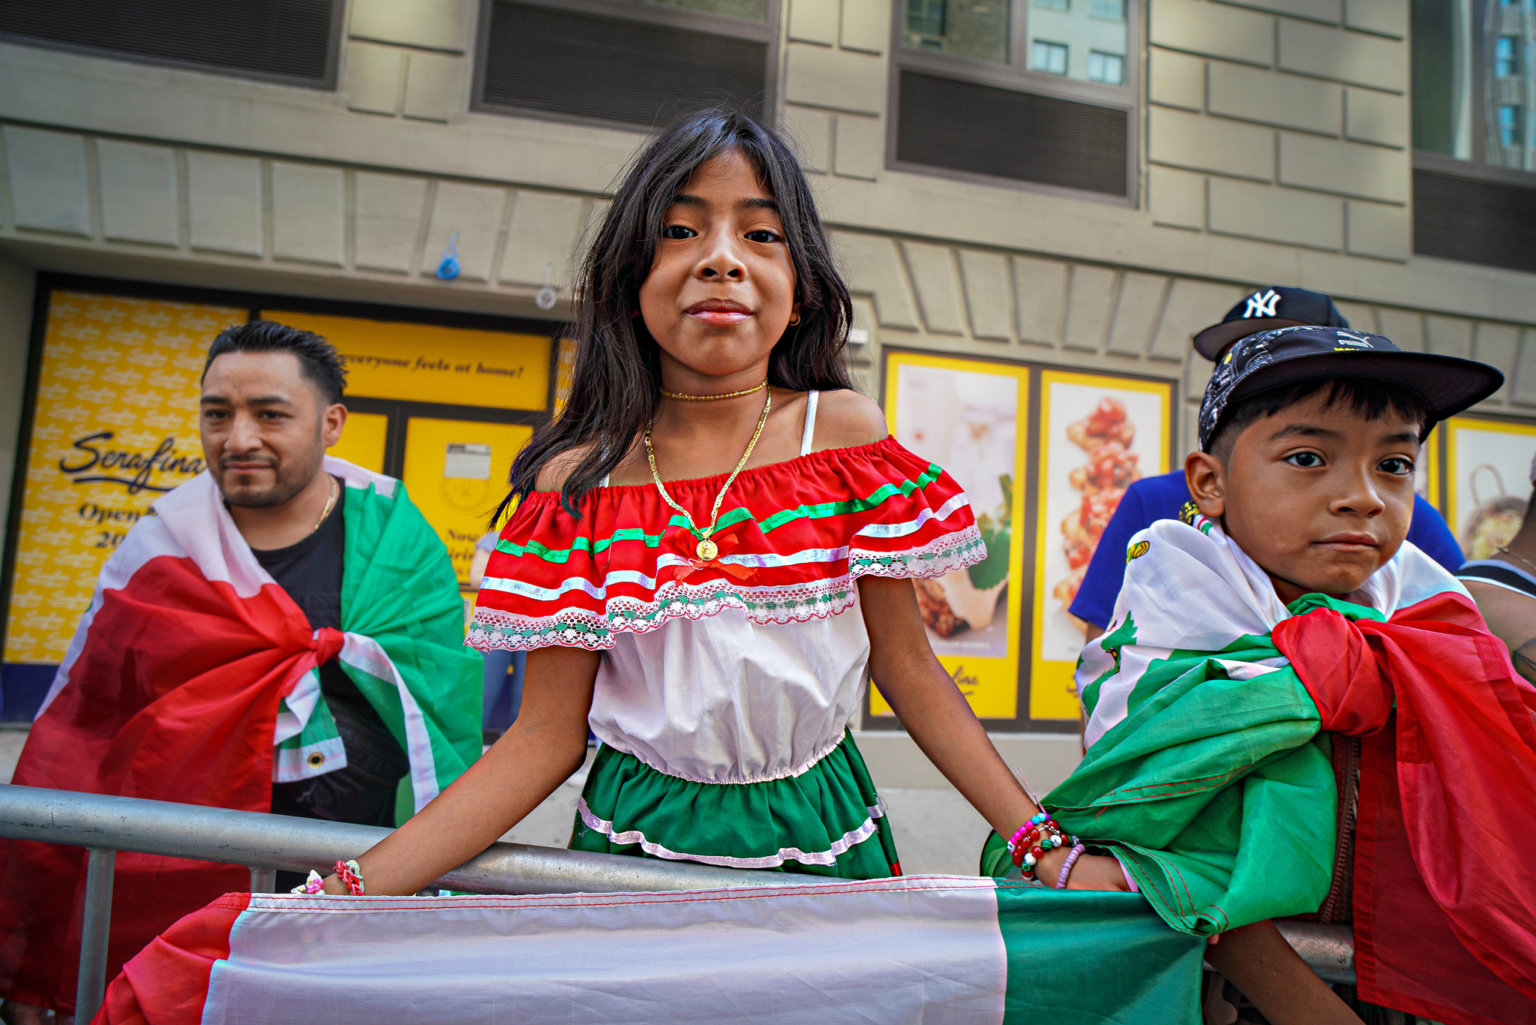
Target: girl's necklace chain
{"points": [[706, 549], [714, 398]]}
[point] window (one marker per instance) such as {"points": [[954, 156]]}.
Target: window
{"points": [[1051, 76], [1048, 57], [293, 41], [1509, 126], [978, 30], [1108, 68], [1506, 57], [1474, 163], [637, 63]]}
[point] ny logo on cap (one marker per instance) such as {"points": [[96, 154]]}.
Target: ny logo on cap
{"points": [[1261, 305]]}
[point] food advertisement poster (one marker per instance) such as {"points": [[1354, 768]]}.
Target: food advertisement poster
{"points": [[1488, 464], [971, 418], [1098, 434], [114, 428]]}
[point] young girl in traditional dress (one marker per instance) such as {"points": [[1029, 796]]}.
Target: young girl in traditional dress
{"points": [[712, 549]]}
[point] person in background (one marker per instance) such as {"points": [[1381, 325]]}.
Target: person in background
{"points": [[284, 634], [1505, 591], [1163, 497], [503, 668]]}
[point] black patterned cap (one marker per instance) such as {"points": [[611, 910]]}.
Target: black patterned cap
{"points": [[1266, 309], [1293, 355]]}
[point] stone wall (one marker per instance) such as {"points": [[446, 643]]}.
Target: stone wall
{"points": [[1273, 150]]}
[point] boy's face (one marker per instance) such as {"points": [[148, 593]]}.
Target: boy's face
{"points": [[1318, 495]]}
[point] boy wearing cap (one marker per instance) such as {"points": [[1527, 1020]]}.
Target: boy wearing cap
{"points": [[1285, 618], [1163, 497]]}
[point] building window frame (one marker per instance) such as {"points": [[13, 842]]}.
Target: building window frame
{"points": [[1478, 53], [1050, 50], [1016, 76], [637, 12], [326, 83]]}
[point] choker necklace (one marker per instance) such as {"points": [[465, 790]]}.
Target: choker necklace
{"points": [[330, 503], [713, 398], [707, 549], [1528, 563]]}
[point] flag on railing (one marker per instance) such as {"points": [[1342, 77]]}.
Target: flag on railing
{"points": [[189, 666], [931, 949]]}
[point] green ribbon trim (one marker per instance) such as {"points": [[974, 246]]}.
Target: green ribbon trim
{"points": [[819, 510]]}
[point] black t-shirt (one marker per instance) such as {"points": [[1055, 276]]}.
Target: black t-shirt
{"points": [[310, 572]]}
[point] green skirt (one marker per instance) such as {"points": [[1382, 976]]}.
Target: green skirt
{"points": [[826, 821]]}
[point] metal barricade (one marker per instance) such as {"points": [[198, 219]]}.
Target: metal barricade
{"points": [[266, 843]]}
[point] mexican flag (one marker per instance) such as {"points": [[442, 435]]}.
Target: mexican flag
{"points": [[192, 678], [931, 949], [1212, 710]]}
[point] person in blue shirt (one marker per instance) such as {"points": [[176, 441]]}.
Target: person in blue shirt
{"points": [[1162, 497]]}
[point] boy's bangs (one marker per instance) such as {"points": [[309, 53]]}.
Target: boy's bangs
{"points": [[1369, 399]]}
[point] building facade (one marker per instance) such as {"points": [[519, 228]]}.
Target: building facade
{"points": [[1054, 194]]}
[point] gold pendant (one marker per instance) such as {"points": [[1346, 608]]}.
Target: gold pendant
{"points": [[707, 549]]}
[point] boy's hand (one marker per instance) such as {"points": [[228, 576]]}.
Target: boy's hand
{"points": [[1097, 872], [1089, 872]]}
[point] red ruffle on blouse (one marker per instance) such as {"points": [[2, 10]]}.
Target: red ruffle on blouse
{"points": [[792, 537]]}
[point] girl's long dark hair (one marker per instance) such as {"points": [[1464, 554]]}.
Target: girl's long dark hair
{"points": [[617, 374]]}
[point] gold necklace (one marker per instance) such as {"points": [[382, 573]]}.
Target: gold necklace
{"points": [[714, 398], [330, 503], [706, 549]]}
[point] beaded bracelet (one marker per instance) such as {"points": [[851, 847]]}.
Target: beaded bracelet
{"points": [[351, 873], [1066, 866], [1031, 840]]}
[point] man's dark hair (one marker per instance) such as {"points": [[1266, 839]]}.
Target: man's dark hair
{"points": [[1368, 398], [318, 359]]}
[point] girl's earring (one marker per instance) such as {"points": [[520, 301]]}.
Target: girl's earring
{"points": [[794, 319]]}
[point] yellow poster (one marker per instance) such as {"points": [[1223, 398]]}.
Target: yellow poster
{"points": [[456, 473], [430, 363], [115, 427], [971, 418], [362, 440], [1098, 434], [1488, 463], [1426, 472]]}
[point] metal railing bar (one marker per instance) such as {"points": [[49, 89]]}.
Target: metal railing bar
{"points": [[263, 880], [1329, 950], [91, 983], [266, 841], [269, 842]]}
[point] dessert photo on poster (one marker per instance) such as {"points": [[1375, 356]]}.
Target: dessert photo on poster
{"points": [[1099, 435]]}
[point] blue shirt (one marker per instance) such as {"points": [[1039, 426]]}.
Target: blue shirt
{"points": [[1160, 498]]}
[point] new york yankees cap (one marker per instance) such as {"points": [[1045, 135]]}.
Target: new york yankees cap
{"points": [[1270, 307], [1292, 355]]}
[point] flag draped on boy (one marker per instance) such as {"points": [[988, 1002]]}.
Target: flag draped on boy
{"points": [[1209, 773], [192, 678], [935, 949]]}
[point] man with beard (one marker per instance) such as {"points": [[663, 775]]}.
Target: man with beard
{"points": [[284, 634]]}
